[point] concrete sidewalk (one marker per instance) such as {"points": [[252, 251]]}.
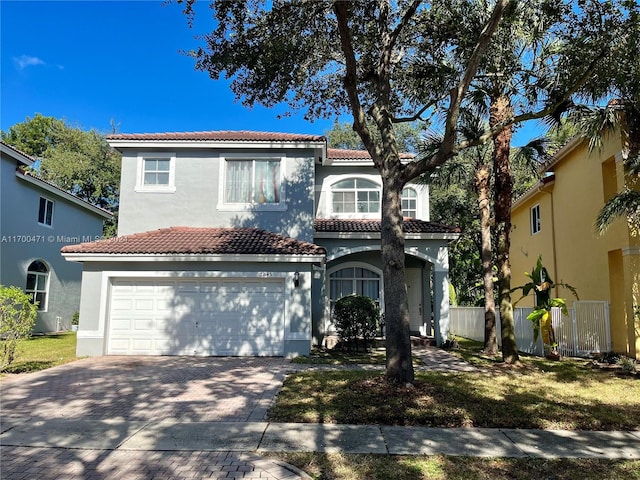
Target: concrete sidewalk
{"points": [[171, 435]]}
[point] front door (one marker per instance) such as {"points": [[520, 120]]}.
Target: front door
{"points": [[415, 293]]}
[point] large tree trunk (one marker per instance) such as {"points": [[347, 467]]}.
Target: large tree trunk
{"points": [[482, 185], [501, 109], [396, 304]]}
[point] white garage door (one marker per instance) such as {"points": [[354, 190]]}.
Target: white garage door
{"points": [[240, 317]]}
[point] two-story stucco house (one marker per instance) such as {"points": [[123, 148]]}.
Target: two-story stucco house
{"points": [[239, 243], [556, 219], [36, 220]]}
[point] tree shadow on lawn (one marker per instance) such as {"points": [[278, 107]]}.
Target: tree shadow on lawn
{"points": [[442, 400], [439, 467], [29, 366]]}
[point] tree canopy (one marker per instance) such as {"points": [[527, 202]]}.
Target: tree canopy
{"points": [[388, 63], [76, 160]]}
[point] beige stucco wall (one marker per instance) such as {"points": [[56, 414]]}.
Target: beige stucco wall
{"points": [[601, 267]]}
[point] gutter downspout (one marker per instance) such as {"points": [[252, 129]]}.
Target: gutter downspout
{"points": [[553, 237]]}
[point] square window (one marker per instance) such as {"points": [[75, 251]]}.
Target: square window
{"points": [[45, 212], [156, 172]]}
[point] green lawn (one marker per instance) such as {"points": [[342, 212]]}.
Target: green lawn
{"points": [[43, 351], [568, 394], [418, 467], [538, 393]]}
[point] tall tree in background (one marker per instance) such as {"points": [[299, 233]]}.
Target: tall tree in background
{"points": [[80, 162], [385, 63], [542, 61], [471, 170]]}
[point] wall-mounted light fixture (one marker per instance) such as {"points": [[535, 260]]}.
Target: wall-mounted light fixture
{"points": [[296, 279]]}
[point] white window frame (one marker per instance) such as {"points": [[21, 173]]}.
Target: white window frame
{"points": [[223, 205], [34, 291], [535, 220], [141, 187], [414, 199], [47, 202], [355, 214]]}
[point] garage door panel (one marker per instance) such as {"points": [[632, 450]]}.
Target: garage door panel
{"points": [[196, 317], [121, 304]]}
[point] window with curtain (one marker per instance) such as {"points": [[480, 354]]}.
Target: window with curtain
{"points": [[355, 195], [38, 283], [253, 181]]}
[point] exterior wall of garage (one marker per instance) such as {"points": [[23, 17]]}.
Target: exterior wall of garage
{"points": [[98, 277]]}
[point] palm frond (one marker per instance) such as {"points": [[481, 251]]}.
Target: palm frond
{"points": [[596, 123], [625, 204], [534, 154]]}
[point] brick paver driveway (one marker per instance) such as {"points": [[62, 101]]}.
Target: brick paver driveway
{"points": [[148, 388], [133, 391]]}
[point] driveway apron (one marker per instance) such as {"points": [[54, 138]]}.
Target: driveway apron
{"points": [[73, 421], [148, 388]]}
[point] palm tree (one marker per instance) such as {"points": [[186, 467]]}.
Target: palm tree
{"points": [[619, 117]]}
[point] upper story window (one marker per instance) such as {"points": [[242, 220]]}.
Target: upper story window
{"points": [[355, 195], [45, 212], [409, 202], [38, 283], [156, 172], [251, 183], [535, 220]]}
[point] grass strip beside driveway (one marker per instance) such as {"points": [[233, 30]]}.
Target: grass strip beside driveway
{"points": [[43, 351], [401, 467], [588, 400]]}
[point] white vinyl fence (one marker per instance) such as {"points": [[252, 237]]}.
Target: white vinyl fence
{"points": [[583, 332]]}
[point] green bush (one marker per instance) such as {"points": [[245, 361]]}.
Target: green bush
{"points": [[627, 364], [356, 317], [17, 317]]}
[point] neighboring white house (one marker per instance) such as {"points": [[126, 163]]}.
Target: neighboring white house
{"points": [[239, 243], [36, 220]]}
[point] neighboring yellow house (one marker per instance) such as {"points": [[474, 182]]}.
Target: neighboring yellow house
{"points": [[555, 219]]}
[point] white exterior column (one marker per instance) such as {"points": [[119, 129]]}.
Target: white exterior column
{"points": [[441, 296]]}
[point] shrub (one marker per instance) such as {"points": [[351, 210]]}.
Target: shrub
{"points": [[626, 364], [17, 317], [356, 317]]}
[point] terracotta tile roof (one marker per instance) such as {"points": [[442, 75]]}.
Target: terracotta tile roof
{"points": [[200, 241], [340, 154], [220, 136], [410, 225]]}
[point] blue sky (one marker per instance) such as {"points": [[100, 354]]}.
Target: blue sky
{"points": [[94, 62]]}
